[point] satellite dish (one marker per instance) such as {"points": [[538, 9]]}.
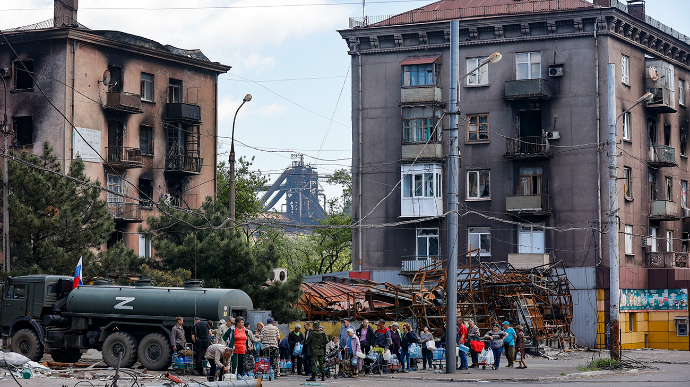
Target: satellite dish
{"points": [[653, 74], [106, 77]]}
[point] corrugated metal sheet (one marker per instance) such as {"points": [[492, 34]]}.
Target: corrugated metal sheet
{"points": [[415, 60], [390, 276], [581, 277], [584, 324], [319, 277]]}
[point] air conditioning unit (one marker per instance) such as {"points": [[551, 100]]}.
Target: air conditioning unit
{"points": [[556, 71], [686, 213], [6, 72], [279, 275], [555, 135]]}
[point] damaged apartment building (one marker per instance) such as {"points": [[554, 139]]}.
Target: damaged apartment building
{"points": [[142, 115], [533, 171]]}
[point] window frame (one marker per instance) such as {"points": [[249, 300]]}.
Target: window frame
{"points": [[684, 194], [478, 124], [625, 69], [482, 233], [628, 183], [408, 70], [478, 173], [416, 185], [24, 120], [428, 123], [114, 186], [669, 241], [172, 85], [668, 188], [654, 236], [627, 129], [428, 237], [145, 250], [144, 83], [16, 69], [681, 92], [628, 240], [529, 64], [149, 139], [474, 78]]}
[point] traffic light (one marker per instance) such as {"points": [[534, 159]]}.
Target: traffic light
{"points": [[440, 297]]}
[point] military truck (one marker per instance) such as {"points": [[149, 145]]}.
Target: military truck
{"points": [[43, 314]]}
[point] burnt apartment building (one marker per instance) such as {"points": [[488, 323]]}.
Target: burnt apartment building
{"points": [[533, 149], [142, 115]]}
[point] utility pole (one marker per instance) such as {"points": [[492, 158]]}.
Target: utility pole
{"points": [[453, 188], [6, 258], [614, 288]]}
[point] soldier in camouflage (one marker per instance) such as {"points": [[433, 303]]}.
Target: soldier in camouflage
{"points": [[317, 350]]}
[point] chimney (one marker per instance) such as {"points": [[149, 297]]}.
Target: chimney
{"points": [[602, 3], [65, 12], [636, 9]]}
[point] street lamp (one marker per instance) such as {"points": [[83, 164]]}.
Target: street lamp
{"points": [[5, 190], [453, 192], [246, 99], [614, 274]]}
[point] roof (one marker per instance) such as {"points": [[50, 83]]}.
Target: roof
{"points": [[416, 60], [466, 9]]}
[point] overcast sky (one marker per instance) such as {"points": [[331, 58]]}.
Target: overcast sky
{"points": [[290, 48]]}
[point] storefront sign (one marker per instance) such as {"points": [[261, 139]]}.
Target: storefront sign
{"points": [[654, 299]]}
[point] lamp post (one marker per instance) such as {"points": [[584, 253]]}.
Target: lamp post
{"points": [[5, 190], [231, 203], [453, 197], [614, 274]]}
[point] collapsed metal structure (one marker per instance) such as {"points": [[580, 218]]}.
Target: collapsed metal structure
{"points": [[489, 292]]}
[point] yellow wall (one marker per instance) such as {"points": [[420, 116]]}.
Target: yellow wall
{"points": [[659, 327]]}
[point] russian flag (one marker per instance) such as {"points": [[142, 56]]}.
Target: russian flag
{"points": [[77, 276]]}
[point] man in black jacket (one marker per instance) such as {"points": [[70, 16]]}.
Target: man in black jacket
{"points": [[201, 336], [293, 338], [306, 359], [366, 336]]}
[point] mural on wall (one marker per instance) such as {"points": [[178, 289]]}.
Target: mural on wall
{"points": [[653, 299]]}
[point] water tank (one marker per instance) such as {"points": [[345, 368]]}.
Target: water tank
{"points": [[211, 304]]}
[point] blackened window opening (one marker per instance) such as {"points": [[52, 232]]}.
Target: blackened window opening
{"points": [[23, 131], [22, 75]]}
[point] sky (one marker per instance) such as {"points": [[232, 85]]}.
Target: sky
{"points": [[286, 53]]}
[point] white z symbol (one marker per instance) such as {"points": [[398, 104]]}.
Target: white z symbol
{"points": [[124, 301]]}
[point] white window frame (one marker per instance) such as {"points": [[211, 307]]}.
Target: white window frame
{"points": [[533, 59], [628, 237], [477, 175], [480, 76], [428, 238], [627, 183], [681, 92], [669, 240], [421, 190], [532, 248], [115, 185], [147, 87], [625, 69], [654, 236], [144, 246], [476, 235], [627, 135]]}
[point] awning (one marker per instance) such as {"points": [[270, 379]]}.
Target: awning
{"points": [[417, 60]]}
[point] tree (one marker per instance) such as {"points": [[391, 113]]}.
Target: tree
{"points": [[217, 253], [117, 262], [247, 183], [53, 220], [165, 278]]}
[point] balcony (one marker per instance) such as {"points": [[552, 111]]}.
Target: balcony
{"points": [[124, 157], [662, 88], [126, 103], [664, 210], [667, 259], [527, 89], [125, 212], [528, 205], [529, 147], [418, 262], [183, 112], [528, 261], [432, 150], [412, 95], [185, 164], [662, 156], [663, 101]]}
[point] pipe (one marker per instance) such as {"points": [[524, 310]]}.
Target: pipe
{"points": [[215, 139], [359, 160], [74, 53], [599, 149]]}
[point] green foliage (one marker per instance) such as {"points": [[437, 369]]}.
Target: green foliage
{"points": [[117, 262], [53, 220], [599, 364], [247, 183], [221, 256], [164, 277]]}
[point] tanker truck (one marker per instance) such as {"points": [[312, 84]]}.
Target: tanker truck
{"points": [[43, 314]]}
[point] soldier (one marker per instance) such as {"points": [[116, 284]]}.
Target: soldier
{"points": [[317, 351]]}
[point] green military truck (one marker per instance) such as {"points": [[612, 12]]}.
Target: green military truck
{"points": [[43, 314]]}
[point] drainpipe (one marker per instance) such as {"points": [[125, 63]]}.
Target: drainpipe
{"points": [[359, 158], [599, 149], [215, 140], [68, 135]]}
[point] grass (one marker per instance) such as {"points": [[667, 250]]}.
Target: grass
{"points": [[598, 365]]}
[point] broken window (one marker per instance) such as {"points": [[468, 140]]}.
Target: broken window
{"points": [[478, 185], [114, 189], [23, 131], [531, 181], [683, 194], [669, 188], [115, 85], [145, 192], [146, 140], [627, 182], [479, 76], [147, 87], [652, 186], [626, 126], [651, 131], [22, 74], [427, 243], [420, 75], [478, 127], [683, 141], [175, 91], [625, 69], [667, 135], [480, 238]]}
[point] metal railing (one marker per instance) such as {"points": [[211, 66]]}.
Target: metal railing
{"points": [[183, 163], [128, 102], [662, 155], [527, 145], [525, 204], [124, 156], [414, 263], [125, 211]]}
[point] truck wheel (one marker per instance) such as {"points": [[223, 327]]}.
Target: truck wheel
{"points": [[26, 342], [69, 355], [120, 342], [154, 352]]}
